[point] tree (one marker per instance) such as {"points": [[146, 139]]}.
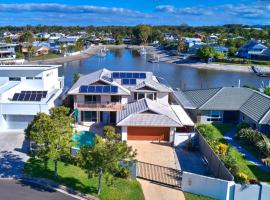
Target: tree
{"points": [[63, 49], [79, 44], [266, 90], [219, 55], [232, 51], [76, 77], [8, 40], [52, 135], [104, 157], [206, 52], [142, 33], [182, 47], [27, 37]]}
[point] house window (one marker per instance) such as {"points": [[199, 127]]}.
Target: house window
{"points": [[14, 79], [29, 78], [38, 78], [89, 116], [140, 95], [215, 116], [92, 99], [115, 98]]}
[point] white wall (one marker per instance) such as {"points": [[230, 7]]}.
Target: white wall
{"points": [[124, 133], [207, 186], [180, 139], [247, 191], [163, 98], [105, 98], [172, 130], [125, 99]]}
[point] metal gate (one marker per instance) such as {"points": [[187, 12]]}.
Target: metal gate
{"points": [[159, 174]]}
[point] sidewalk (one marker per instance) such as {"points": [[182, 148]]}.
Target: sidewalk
{"points": [[229, 136]]}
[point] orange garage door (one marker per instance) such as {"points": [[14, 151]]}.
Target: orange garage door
{"points": [[149, 133]]}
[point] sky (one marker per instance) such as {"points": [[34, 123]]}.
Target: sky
{"points": [[134, 12]]}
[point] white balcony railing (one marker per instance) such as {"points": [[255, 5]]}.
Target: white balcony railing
{"points": [[106, 106]]}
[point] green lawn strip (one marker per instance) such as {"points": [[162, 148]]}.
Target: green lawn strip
{"points": [[190, 196], [46, 57], [74, 177], [253, 171]]}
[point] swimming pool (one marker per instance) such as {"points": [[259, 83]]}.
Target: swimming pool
{"points": [[83, 138]]}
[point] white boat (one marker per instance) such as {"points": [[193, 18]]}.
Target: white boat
{"points": [[142, 51], [102, 52]]}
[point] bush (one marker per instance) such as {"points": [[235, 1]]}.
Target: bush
{"points": [[242, 178], [266, 161], [222, 149], [242, 126], [230, 162]]}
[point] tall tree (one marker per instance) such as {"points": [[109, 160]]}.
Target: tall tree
{"points": [[52, 135], [79, 44], [206, 52], [105, 155], [142, 33]]}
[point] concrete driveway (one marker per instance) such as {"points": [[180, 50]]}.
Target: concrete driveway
{"points": [[13, 149], [159, 154]]}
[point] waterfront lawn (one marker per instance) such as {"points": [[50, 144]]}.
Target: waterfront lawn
{"points": [[74, 177], [190, 196], [216, 132], [46, 57]]}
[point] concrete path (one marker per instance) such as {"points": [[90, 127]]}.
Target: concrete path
{"points": [[13, 149], [159, 154], [229, 136]]}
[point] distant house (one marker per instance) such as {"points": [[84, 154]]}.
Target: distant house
{"points": [[41, 51], [254, 50], [7, 51], [227, 105], [171, 37], [43, 35], [69, 40], [218, 48], [192, 41]]}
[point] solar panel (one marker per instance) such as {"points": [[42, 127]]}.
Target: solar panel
{"points": [[32, 97], [83, 89], [132, 81], [129, 75], [106, 78], [38, 97], [114, 89], [27, 97], [106, 89], [136, 75], [115, 75], [142, 75], [99, 89], [21, 96], [44, 94], [125, 81], [91, 89], [123, 75], [15, 97]]}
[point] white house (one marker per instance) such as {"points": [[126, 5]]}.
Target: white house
{"points": [[192, 41], [7, 51], [135, 101], [26, 90]]}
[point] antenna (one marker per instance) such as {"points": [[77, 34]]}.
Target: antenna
{"points": [[239, 83]]}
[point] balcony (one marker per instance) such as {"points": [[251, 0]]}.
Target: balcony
{"points": [[100, 106]]}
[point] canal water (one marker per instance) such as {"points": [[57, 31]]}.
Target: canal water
{"points": [[176, 76]]}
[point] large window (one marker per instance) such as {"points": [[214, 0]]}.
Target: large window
{"points": [[14, 79], [215, 116], [92, 99], [115, 98], [149, 95], [89, 116]]}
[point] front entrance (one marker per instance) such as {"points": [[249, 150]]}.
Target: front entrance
{"points": [[149, 133]]}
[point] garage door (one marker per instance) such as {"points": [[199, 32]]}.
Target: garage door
{"points": [[147, 133]]}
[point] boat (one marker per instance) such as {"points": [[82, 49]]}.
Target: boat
{"points": [[102, 52], [142, 51], [154, 60], [259, 72]]}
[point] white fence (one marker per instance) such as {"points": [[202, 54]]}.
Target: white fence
{"points": [[222, 189]]}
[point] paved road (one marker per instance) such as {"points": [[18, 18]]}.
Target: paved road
{"points": [[229, 136], [12, 189], [13, 149]]}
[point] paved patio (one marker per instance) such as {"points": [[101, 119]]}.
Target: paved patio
{"points": [[159, 154], [13, 148]]}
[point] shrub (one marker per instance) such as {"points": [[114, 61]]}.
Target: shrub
{"points": [[222, 149], [242, 178], [242, 126], [266, 161], [230, 162]]}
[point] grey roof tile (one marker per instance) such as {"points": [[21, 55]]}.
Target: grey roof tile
{"points": [[183, 99]]}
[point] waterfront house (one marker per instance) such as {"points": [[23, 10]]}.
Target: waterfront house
{"points": [[41, 51], [26, 90], [171, 37], [222, 49], [192, 41], [254, 50], [135, 101], [227, 105], [7, 51]]}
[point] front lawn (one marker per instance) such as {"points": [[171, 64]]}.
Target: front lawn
{"points": [[74, 177], [46, 57], [190, 196], [216, 132]]}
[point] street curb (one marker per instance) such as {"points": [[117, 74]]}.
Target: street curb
{"points": [[52, 185]]}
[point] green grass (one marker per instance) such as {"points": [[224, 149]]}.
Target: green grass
{"points": [[46, 57], [217, 132], [190, 196], [74, 177]]}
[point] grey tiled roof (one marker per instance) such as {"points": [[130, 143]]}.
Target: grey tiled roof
{"points": [[153, 84], [228, 98], [201, 96], [183, 100], [135, 113], [256, 107]]}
